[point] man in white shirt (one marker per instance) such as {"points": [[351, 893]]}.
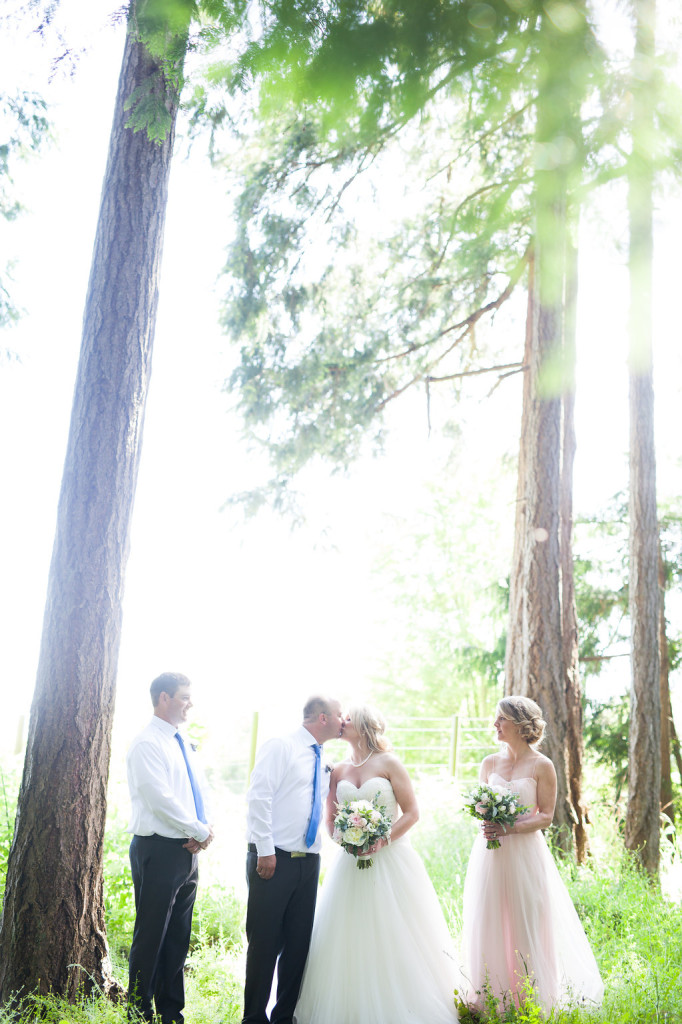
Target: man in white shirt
{"points": [[289, 786], [168, 822]]}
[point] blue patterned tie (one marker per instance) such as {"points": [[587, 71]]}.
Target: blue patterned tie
{"points": [[316, 812], [196, 792]]}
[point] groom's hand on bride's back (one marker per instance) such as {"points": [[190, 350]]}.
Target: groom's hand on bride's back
{"points": [[265, 868]]}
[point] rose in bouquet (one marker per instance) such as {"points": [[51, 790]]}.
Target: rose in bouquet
{"points": [[493, 803], [358, 825]]}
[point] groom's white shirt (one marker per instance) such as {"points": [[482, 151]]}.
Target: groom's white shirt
{"points": [[280, 796]]}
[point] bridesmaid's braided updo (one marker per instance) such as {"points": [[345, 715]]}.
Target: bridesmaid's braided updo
{"points": [[525, 713], [370, 725]]}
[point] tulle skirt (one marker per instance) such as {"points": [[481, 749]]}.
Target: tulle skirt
{"points": [[521, 928], [381, 952]]}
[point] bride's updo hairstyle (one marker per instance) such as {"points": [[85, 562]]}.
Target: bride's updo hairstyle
{"points": [[525, 713], [369, 724]]}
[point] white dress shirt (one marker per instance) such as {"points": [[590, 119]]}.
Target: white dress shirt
{"points": [[280, 796], [160, 790]]}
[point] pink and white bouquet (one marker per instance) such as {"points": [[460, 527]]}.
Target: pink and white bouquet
{"points": [[358, 825], [493, 803]]}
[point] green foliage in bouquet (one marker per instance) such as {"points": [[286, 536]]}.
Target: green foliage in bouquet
{"points": [[358, 825], [493, 803]]}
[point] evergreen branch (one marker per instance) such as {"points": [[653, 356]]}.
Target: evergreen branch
{"points": [[468, 324], [514, 367], [603, 657], [479, 139], [522, 367], [465, 202], [487, 188], [465, 325], [489, 307], [367, 161], [436, 265]]}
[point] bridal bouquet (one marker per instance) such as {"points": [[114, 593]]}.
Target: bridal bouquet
{"points": [[493, 803], [358, 825]]}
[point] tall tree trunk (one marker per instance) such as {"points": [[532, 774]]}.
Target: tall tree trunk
{"points": [[642, 822], [569, 616], [674, 741], [514, 655], [536, 656], [52, 936], [667, 805]]}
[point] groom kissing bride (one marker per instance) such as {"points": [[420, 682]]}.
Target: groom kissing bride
{"points": [[384, 924]]}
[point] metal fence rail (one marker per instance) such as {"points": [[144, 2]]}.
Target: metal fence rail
{"points": [[456, 744]]}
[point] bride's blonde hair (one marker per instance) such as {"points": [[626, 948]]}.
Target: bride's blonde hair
{"points": [[369, 724], [525, 713]]}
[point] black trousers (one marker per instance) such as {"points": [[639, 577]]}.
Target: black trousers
{"points": [[165, 877], [279, 921]]}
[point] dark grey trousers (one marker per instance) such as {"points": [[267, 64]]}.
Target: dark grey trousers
{"points": [[165, 877], [279, 922]]}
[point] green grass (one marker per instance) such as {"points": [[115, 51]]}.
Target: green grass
{"points": [[635, 930]]}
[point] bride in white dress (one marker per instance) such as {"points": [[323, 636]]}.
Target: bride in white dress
{"points": [[380, 949]]}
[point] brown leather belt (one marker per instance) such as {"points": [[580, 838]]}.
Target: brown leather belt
{"points": [[285, 853]]}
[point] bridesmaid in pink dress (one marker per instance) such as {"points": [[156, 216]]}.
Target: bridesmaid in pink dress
{"points": [[520, 926]]}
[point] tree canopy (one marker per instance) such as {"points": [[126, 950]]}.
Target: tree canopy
{"points": [[25, 124], [338, 315]]}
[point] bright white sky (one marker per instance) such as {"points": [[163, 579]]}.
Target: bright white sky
{"points": [[256, 615]]}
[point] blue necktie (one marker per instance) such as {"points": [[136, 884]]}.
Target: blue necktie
{"points": [[196, 792], [316, 812]]}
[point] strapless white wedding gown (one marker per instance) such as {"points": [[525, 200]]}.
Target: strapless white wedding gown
{"points": [[380, 952]]}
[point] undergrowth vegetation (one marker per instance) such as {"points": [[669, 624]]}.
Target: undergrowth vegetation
{"points": [[635, 928]]}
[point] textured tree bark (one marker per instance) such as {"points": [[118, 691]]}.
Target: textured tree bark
{"points": [[569, 616], [667, 805], [534, 655], [514, 655], [642, 821], [674, 741], [535, 664], [52, 936]]}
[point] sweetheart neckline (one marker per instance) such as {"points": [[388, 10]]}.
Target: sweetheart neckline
{"points": [[372, 778], [521, 778]]}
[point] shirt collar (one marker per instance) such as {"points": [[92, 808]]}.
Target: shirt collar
{"points": [[305, 737], [163, 726]]}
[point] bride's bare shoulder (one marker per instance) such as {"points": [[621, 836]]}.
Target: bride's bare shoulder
{"points": [[385, 763]]}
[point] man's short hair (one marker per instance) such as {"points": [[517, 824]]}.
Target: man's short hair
{"points": [[167, 682], [316, 706]]}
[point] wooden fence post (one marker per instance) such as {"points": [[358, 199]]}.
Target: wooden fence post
{"points": [[454, 730], [254, 745], [19, 741]]}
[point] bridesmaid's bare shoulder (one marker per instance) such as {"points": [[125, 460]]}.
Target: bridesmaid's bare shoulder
{"points": [[487, 765], [544, 766]]}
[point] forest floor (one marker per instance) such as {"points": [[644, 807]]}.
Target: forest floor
{"points": [[635, 928]]}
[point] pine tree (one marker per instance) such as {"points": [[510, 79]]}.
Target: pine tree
{"points": [[53, 934], [499, 92], [642, 825]]}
